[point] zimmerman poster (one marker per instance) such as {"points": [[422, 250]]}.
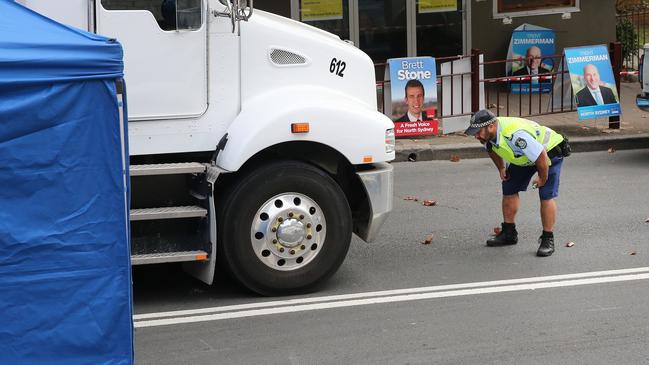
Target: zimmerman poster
{"points": [[412, 96], [593, 82], [530, 47]]}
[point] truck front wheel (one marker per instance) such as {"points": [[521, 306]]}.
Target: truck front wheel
{"points": [[283, 228]]}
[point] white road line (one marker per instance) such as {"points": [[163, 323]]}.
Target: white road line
{"points": [[388, 296], [382, 293]]}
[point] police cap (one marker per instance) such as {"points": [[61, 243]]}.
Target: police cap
{"points": [[479, 119]]}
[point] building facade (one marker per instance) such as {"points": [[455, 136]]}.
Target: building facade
{"points": [[407, 28]]}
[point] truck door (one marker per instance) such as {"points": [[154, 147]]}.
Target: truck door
{"points": [[165, 54]]}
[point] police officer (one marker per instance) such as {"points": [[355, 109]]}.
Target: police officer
{"points": [[528, 148]]}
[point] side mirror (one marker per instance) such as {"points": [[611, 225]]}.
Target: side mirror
{"points": [[236, 10]]}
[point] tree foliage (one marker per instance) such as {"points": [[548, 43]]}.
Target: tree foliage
{"points": [[626, 34]]}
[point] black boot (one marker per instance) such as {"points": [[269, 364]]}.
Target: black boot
{"points": [[507, 236], [546, 247]]}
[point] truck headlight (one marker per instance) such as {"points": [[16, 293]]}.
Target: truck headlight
{"points": [[389, 140]]}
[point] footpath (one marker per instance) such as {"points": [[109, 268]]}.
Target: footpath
{"points": [[584, 135]]}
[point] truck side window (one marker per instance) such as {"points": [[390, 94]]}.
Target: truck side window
{"points": [[189, 14], [170, 14]]}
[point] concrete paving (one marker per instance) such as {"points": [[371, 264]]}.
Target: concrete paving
{"points": [[584, 135]]}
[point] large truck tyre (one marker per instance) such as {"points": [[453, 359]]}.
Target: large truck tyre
{"points": [[283, 228]]}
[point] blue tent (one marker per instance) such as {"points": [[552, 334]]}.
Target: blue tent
{"points": [[65, 285]]}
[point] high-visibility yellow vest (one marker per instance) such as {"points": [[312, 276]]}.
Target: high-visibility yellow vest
{"points": [[508, 125]]}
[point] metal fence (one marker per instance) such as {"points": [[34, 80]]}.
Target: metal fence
{"points": [[632, 30], [535, 94], [440, 110], [498, 96]]}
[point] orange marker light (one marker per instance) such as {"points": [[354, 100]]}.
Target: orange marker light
{"points": [[201, 257], [368, 159], [300, 127]]}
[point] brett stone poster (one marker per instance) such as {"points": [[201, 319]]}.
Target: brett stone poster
{"points": [[412, 97]]}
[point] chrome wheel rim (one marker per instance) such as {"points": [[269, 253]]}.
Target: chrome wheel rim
{"points": [[288, 231]]}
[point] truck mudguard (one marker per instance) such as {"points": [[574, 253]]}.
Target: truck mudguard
{"points": [[334, 120]]}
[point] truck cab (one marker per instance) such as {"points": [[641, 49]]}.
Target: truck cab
{"points": [[255, 141]]}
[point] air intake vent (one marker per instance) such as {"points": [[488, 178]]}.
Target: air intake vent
{"points": [[280, 57]]}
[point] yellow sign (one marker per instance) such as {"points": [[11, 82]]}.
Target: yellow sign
{"points": [[314, 10], [435, 6]]}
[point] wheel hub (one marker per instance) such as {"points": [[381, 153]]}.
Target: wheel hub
{"points": [[291, 232], [288, 231]]}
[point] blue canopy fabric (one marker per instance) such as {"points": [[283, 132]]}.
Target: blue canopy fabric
{"points": [[65, 280], [37, 49]]}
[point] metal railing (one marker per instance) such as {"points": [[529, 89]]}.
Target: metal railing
{"points": [[440, 110], [497, 90], [539, 94], [632, 28]]}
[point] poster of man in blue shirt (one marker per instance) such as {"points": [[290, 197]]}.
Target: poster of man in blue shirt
{"points": [[529, 50], [593, 82]]}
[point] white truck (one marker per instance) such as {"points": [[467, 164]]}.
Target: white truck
{"points": [[642, 99], [255, 140]]}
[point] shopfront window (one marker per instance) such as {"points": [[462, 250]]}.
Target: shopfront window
{"points": [[439, 28], [279, 7], [382, 29], [329, 15]]}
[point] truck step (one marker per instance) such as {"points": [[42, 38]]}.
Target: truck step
{"points": [[189, 211], [158, 258], [167, 169]]}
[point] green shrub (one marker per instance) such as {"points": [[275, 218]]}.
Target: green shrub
{"points": [[627, 36]]}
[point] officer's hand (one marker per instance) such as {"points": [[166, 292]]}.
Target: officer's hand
{"points": [[503, 174], [537, 183]]}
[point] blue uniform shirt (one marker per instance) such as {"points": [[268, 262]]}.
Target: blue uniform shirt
{"points": [[522, 143]]}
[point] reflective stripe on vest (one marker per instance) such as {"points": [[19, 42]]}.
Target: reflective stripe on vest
{"points": [[509, 125]]}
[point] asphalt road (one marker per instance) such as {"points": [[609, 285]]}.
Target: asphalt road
{"points": [[462, 306]]}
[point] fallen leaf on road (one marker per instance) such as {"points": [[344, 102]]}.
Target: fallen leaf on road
{"points": [[570, 244], [646, 219], [409, 198], [611, 150], [429, 203], [632, 253], [497, 230], [428, 240], [455, 158]]}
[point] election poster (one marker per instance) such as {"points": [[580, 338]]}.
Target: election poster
{"points": [[437, 6], [593, 82], [411, 100], [529, 47], [316, 10]]}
